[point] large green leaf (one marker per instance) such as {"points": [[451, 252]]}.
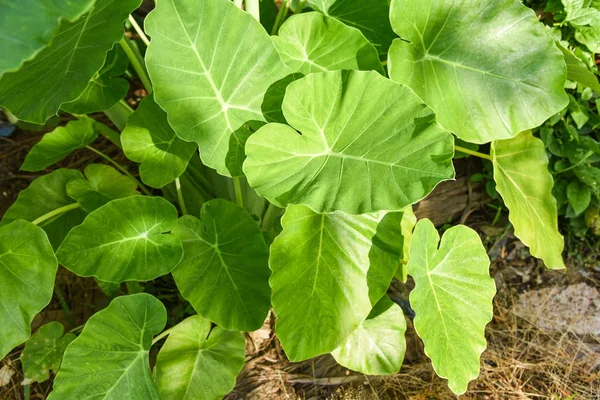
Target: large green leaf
{"points": [[452, 299], [61, 72], [150, 140], [313, 42], [44, 195], [59, 143], [208, 93], [523, 181], [328, 273], [577, 71], [199, 363], [44, 352], [224, 273], [377, 346], [27, 270], [366, 144], [27, 26], [103, 184], [124, 240], [487, 68], [370, 16], [109, 360]]}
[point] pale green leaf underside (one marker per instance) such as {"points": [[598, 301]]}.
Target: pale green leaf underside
{"points": [[199, 363], [59, 143], [27, 26], [209, 93], [452, 299], [377, 346], [488, 69], [577, 71], [46, 194], [103, 184], [326, 277], [149, 139], [109, 360], [61, 72], [224, 273], [313, 42], [525, 184], [27, 270], [44, 352], [124, 240], [366, 144]]}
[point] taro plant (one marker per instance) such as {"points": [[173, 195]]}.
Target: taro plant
{"points": [[275, 171]]}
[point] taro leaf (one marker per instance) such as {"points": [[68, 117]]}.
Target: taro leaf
{"points": [[109, 360], [27, 270], [44, 195], [370, 16], [366, 144], [27, 26], [44, 352], [377, 346], [487, 68], [224, 273], [313, 42], [102, 185], [579, 196], [59, 143], [577, 71], [124, 240], [60, 72], [209, 94], [452, 299], [327, 275], [150, 140], [523, 181], [106, 88], [199, 363]]}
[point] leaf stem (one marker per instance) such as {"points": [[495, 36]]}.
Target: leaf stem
{"points": [[161, 336], [137, 61], [268, 219], [63, 304], [180, 196], [54, 213], [120, 168], [239, 198], [587, 155], [252, 8], [26, 392], [139, 30], [281, 14], [473, 153]]}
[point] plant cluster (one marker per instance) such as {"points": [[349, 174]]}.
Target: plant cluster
{"points": [[345, 116]]}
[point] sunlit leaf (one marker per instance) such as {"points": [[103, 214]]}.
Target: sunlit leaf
{"points": [[452, 299], [577, 71]]}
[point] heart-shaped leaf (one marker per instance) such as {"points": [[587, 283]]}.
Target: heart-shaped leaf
{"points": [[59, 143], [44, 352], [313, 42], [487, 68], [523, 181], [27, 271], [366, 144], [224, 273], [109, 360], [60, 72], [209, 94], [44, 195], [327, 274], [150, 140], [452, 299], [124, 240], [377, 346], [103, 184], [198, 362]]}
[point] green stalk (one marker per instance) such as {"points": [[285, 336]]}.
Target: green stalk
{"points": [[473, 153], [54, 213], [64, 305], [161, 336], [587, 155], [269, 217], [108, 133], [119, 113], [120, 168], [26, 392], [252, 7], [180, 197], [139, 30], [239, 198], [137, 61], [281, 14]]}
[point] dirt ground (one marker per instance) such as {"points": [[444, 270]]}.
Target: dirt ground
{"points": [[541, 344]]}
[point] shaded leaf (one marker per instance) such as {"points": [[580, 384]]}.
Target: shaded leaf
{"points": [[577, 71], [366, 144], [579, 196], [452, 299]]}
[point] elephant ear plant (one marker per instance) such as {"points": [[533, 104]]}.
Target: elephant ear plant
{"points": [[278, 163]]}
